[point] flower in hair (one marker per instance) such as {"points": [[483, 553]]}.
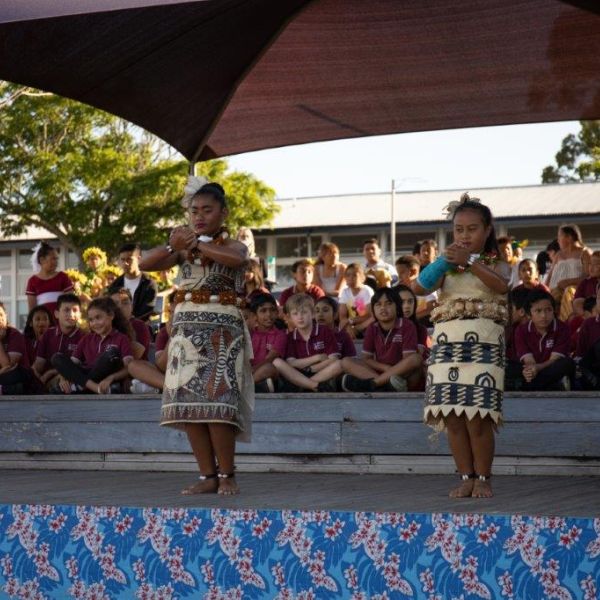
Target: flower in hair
{"points": [[35, 261], [451, 207], [192, 187], [94, 251]]}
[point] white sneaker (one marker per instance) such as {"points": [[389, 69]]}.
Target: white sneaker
{"points": [[139, 387]]}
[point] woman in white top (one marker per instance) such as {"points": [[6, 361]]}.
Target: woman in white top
{"points": [[329, 272], [355, 301], [567, 268]]}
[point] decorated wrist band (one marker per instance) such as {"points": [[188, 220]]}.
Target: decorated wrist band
{"points": [[205, 238], [170, 249]]}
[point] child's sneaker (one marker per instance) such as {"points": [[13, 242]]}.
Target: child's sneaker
{"points": [[398, 383], [326, 386], [350, 383], [139, 387], [266, 386]]}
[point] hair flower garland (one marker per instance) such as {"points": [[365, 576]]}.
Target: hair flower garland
{"points": [[449, 210]]}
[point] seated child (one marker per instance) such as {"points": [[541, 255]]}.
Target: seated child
{"points": [[303, 272], [513, 374], [408, 302], [254, 283], [141, 333], [38, 321], [63, 338], [14, 362], [408, 268], [543, 345], [587, 352], [268, 342], [147, 377], [588, 286], [326, 314], [528, 274], [311, 356], [506, 254], [390, 350], [427, 252], [101, 357], [355, 302]]}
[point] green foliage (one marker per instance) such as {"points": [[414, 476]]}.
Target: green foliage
{"points": [[92, 179], [578, 159]]}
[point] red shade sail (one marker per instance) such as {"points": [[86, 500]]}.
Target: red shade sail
{"points": [[220, 77]]}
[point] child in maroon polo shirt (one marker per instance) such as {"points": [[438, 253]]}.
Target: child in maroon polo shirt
{"points": [[587, 354], [101, 357], [529, 275], [588, 286], [326, 314], [513, 372], [63, 337], [303, 272], [14, 362], [390, 349], [311, 357], [542, 345], [141, 332], [268, 342]]}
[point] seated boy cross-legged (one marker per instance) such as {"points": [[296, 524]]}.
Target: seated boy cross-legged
{"points": [[542, 345], [390, 350], [311, 357], [268, 342], [587, 353]]}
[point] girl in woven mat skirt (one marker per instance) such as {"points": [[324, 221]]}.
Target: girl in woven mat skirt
{"points": [[465, 378], [208, 390]]}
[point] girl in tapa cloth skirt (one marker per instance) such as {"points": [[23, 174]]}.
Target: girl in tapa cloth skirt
{"points": [[208, 391], [465, 377]]}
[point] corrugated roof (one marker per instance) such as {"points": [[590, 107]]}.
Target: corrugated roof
{"points": [[417, 207]]}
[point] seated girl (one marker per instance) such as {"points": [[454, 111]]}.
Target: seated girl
{"points": [[390, 357], [38, 322], [100, 360], [327, 313], [355, 302], [529, 277], [254, 283], [14, 362], [329, 272]]}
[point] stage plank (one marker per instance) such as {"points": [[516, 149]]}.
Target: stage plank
{"points": [[566, 496]]}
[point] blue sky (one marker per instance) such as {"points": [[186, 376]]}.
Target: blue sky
{"points": [[453, 159]]}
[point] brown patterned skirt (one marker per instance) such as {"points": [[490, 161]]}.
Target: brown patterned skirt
{"points": [[208, 377]]}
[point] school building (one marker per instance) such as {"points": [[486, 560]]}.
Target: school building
{"points": [[526, 212]]}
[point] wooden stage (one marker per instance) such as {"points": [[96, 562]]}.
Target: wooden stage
{"points": [[531, 495]]}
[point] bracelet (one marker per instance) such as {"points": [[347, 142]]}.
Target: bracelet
{"points": [[170, 249], [472, 259]]}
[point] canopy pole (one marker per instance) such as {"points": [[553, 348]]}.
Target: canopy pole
{"points": [[192, 168]]}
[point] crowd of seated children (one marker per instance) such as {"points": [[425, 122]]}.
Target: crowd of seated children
{"points": [[390, 357], [311, 360], [355, 302], [329, 271], [303, 272]]}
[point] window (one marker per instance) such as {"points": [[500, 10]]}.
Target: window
{"points": [[260, 246], [22, 312], [350, 244], [284, 277], [296, 246]]}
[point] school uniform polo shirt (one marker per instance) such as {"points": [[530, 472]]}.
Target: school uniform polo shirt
{"points": [[162, 340], [390, 347], [556, 340], [54, 340], [589, 334], [14, 343], [142, 335], [321, 341], [92, 345], [345, 345], [265, 341], [312, 290], [587, 288]]}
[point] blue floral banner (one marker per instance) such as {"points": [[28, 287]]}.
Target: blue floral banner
{"points": [[97, 553]]}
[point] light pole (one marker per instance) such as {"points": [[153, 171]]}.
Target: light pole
{"points": [[393, 213]]}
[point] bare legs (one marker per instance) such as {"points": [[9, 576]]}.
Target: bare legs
{"points": [[472, 446], [213, 444]]}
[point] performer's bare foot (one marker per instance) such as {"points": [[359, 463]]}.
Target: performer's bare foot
{"points": [[464, 490], [207, 485], [482, 488], [228, 485]]}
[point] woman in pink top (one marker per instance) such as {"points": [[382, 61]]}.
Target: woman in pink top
{"points": [[46, 284]]}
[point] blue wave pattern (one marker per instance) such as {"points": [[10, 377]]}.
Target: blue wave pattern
{"points": [[97, 553]]}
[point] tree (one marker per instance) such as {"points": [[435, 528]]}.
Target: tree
{"points": [[92, 179], [578, 159]]}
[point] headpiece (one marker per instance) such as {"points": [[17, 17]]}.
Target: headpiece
{"points": [[451, 207], [35, 261], [192, 187], [94, 251]]}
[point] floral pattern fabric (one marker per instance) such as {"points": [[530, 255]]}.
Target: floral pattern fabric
{"points": [[151, 553]]}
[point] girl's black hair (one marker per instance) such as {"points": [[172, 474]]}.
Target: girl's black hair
{"points": [[404, 288], [259, 300], [391, 294], [45, 249], [28, 329], [335, 306], [466, 203], [215, 190], [542, 260], [107, 304]]}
